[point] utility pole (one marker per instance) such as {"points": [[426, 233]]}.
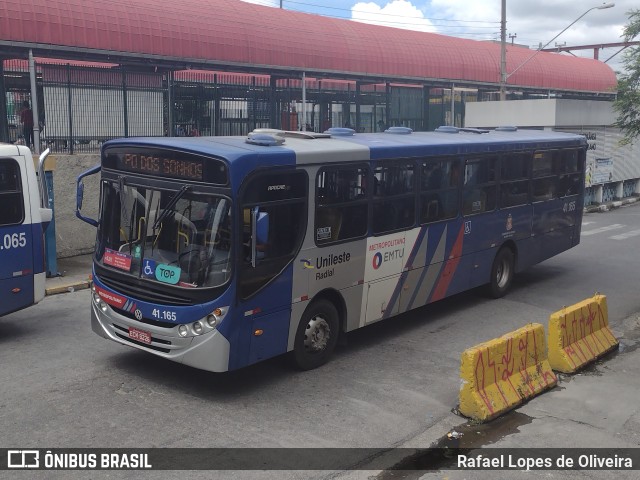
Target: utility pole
{"points": [[503, 51]]}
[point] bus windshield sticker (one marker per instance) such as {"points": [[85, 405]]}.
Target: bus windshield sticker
{"points": [[117, 259], [323, 233], [168, 274]]}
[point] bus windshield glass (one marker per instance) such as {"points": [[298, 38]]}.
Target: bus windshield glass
{"points": [[176, 237]]}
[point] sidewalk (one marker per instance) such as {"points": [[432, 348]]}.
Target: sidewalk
{"points": [[74, 271]]}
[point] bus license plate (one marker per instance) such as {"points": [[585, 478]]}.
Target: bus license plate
{"points": [[139, 335]]}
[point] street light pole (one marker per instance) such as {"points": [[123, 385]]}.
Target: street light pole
{"points": [[504, 76]]}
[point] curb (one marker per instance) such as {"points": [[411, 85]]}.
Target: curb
{"points": [[605, 207], [67, 287]]}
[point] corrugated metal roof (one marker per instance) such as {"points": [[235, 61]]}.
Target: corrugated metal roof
{"points": [[241, 33]]}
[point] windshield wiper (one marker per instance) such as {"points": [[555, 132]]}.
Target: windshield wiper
{"points": [[167, 210]]}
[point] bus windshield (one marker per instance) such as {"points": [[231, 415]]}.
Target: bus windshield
{"points": [[176, 237]]}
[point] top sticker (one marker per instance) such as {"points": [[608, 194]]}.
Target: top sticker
{"points": [[168, 274]]}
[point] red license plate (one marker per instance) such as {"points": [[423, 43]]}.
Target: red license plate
{"points": [[139, 335]]}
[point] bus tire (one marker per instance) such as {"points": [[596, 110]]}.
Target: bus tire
{"points": [[502, 272], [316, 336]]}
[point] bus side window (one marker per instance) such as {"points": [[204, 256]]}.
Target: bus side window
{"points": [[439, 189], [394, 207], [341, 203], [514, 179], [545, 181], [12, 211], [479, 192], [569, 170]]}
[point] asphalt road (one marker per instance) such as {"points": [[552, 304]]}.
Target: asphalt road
{"points": [[63, 386]]}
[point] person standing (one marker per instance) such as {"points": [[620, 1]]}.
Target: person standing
{"points": [[26, 118]]}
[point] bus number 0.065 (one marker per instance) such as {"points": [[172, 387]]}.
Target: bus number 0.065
{"points": [[164, 315], [15, 240]]}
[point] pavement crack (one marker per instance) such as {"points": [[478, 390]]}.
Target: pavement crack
{"points": [[573, 420]]}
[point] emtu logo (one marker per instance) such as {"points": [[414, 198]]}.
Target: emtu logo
{"points": [[377, 261]]}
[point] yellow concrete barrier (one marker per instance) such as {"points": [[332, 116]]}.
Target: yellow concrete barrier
{"points": [[580, 334], [501, 374]]}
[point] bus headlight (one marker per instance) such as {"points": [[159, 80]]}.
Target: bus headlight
{"points": [[212, 320], [103, 307], [197, 328], [183, 331]]}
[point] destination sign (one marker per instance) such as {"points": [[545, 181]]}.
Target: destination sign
{"points": [[161, 165], [166, 163]]}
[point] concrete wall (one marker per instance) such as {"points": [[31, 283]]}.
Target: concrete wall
{"points": [[73, 236], [520, 113], [541, 113]]}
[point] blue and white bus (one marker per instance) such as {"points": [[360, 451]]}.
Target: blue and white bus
{"points": [[219, 252], [24, 216]]}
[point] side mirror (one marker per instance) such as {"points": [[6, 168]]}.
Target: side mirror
{"points": [[80, 195], [260, 229], [42, 182]]}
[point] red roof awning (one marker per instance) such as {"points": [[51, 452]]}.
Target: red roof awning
{"points": [[236, 32]]}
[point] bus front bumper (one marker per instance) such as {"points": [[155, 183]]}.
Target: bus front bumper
{"points": [[209, 351]]}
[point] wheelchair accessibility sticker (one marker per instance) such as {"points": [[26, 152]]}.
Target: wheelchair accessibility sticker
{"points": [[149, 268]]}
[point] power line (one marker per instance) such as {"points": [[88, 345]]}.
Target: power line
{"points": [[420, 21], [390, 14]]}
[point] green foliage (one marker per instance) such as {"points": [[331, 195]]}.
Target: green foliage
{"points": [[627, 105]]}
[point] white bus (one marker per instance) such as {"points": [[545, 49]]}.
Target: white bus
{"points": [[24, 217]]}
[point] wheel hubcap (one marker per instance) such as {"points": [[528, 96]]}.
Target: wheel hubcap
{"points": [[317, 334], [503, 273]]}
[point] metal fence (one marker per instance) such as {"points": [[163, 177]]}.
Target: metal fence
{"points": [[82, 105]]}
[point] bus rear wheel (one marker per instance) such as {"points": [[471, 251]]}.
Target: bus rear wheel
{"points": [[316, 336], [502, 272]]}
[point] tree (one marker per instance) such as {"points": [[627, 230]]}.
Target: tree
{"points": [[627, 105]]}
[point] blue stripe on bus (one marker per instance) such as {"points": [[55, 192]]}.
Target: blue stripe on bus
{"points": [[435, 235]]}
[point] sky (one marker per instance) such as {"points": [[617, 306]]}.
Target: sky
{"points": [[531, 23]]}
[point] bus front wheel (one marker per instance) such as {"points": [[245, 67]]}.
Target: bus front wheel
{"points": [[317, 335], [502, 272]]}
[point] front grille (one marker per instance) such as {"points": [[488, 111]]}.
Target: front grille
{"points": [[147, 292], [126, 338], [148, 321]]}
